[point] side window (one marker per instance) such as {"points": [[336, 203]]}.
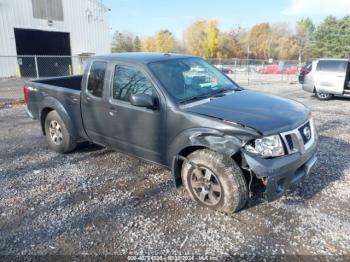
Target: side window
{"points": [[309, 67], [96, 78], [332, 66], [128, 81], [343, 66], [322, 65]]}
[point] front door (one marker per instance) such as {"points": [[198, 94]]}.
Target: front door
{"points": [[330, 76], [137, 130]]}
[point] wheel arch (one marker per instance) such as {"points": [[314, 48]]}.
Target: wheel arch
{"points": [[52, 104], [44, 112], [177, 162], [197, 139]]}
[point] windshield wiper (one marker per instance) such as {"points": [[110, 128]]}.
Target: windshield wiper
{"points": [[194, 98], [209, 95], [221, 92]]}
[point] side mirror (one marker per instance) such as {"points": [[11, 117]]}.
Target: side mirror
{"points": [[142, 100]]}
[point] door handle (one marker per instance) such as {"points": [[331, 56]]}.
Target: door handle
{"points": [[87, 99], [112, 111], [74, 99]]}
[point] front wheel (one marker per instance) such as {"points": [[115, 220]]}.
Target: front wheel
{"points": [[215, 181], [323, 96], [57, 134]]}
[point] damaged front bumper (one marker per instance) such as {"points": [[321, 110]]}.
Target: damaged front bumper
{"points": [[281, 173]]}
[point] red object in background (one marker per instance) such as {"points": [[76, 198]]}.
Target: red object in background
{"points": [[291, 71], [270, 69], [25, 94], [274, 70]]}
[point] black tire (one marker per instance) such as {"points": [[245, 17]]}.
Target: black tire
{"points": [[323, 96], [226, 174], [57, 134]]}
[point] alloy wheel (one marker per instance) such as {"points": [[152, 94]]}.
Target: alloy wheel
{"points": [[323, 95], [56, 132], [206, 186]]}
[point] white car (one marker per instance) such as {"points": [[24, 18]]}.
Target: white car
{"points": [[326, 78]]}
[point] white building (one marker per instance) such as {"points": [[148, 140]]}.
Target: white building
{"points": [[50, 27]]}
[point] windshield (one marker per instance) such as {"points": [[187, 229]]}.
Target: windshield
{"points": [[191, 78]]}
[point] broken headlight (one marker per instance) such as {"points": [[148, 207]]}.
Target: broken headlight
{"points": [[270, 146]]}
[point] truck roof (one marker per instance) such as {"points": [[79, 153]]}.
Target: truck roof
{"points": [[333, 59], [139, 57]]}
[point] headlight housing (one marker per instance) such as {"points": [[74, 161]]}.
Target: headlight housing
{"points": [[269, 146]]}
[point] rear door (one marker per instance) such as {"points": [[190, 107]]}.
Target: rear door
{"points": [[330, 76], [92, 102]]}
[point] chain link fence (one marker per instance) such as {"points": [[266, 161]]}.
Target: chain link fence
{"points": [[248, 72], [15, 70], [41, 66]]}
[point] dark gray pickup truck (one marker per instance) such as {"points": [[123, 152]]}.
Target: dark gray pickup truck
{"points": [[180, 112]]}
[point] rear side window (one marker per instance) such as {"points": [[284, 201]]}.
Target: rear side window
{"points": [[332, 66], [96, 78], [128, 81], [308, 66]]}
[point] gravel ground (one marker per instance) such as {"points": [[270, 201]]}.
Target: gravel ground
{"points": [[95, 201]]}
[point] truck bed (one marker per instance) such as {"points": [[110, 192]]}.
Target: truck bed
{"points": [[59, 92], [70, 82]]}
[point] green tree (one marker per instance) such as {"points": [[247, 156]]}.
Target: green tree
{"points": [[344, 36], [122, 42], [332, 37]]}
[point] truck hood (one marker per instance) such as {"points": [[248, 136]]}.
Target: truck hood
{"points": [[267, 114]]}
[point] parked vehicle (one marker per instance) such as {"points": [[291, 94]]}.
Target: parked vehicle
{"points": [[227, 69], [275, 69], [326, 78], [180, 112]]}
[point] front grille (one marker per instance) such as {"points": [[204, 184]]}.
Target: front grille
{"points": [[290, 142], [301, 138], [305, 132]]}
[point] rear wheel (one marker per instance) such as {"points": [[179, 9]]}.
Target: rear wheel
{"points": [[215, 182], [323, 96], [57, 134]]}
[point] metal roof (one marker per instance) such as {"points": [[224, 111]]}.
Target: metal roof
{"points": [[333, 59]]}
